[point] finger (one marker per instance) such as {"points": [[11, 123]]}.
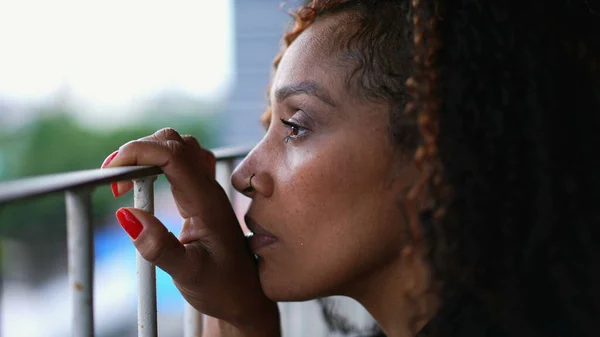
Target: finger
{"points": [[161, 135], [146, 152], [119, 188], [153, 241], [109, 159], [166, 134], [184, 166], [166, 149], [192, 141], [165, 141], [209, 157], [212, 164], [154, 154]]}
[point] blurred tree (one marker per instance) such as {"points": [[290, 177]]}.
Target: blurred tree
{"points": [[57, 143]]}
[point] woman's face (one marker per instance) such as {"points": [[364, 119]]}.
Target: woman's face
{"points": [[326, 182]]}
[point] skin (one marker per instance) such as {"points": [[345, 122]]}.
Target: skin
{"points": [[331, 193], [331, 190]]}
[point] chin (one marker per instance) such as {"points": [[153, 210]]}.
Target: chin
{"points": [[282, 290], [282, 287]]}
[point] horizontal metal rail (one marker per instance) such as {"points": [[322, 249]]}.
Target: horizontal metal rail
{"points": [[41, 185], [78, 186], [53, 183]]}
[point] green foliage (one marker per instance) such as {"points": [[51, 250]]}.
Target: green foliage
{"points": [[57, 143]]}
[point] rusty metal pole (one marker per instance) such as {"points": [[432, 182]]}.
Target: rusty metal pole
{"points": [[143, 195], [81, 260]]}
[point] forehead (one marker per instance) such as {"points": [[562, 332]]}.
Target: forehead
{"points": [[315, 56]]}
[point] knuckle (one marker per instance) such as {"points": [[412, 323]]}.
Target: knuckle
{"points": [[129, 146], [191, 140], [154, 249], [175, 148], [167, 134]]}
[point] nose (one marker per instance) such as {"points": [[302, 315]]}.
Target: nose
{"points": [[252, 176]]}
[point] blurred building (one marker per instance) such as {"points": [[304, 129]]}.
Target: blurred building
{"points": [[259, 25]]}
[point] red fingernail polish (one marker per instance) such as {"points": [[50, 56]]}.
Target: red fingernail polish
{"points": [[115, 189], [109, 159], [129, 222]]}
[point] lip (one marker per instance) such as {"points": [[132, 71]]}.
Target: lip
{"points": [[256, 228], [261, 237]]}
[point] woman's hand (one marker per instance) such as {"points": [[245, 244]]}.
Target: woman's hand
{"points": [[209, 262]]}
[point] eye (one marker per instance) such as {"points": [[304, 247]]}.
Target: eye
{"points": [[295, 131]]}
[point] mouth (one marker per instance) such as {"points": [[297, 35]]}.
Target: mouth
{"points": [[260, 237]]}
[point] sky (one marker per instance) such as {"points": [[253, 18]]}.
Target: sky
{"points": [[109, 55]]}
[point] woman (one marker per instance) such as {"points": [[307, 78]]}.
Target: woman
{"points": [[328, 183], [485, 93]]}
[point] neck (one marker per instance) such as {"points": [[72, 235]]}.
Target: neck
{"points": [[395, 296]]}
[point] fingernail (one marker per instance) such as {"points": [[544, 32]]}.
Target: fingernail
{"points": [[129, 222], [109, 159], [114, 187]]}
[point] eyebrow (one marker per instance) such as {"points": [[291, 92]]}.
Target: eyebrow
{"points": [[310, 88]]}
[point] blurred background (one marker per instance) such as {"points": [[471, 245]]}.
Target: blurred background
{"points": [[80, 78]]}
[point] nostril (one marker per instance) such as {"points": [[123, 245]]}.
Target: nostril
{"points": [[250, 188]]}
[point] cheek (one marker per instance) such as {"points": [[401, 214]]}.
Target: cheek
{"points": [[342, 165], [333, 212], [340, 177], [313, 180]]}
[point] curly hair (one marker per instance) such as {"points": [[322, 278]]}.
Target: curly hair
{"points": [[508, 98]]}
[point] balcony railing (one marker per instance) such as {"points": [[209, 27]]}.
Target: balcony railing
{"points": [[78, 187]]}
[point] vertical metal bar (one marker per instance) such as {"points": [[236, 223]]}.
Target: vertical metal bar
{"points": [[143, 195], [192, 322], [224, 170], [81, 260]]}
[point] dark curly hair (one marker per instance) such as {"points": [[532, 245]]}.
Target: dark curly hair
{"points": [[499, 88], [508, 97]]}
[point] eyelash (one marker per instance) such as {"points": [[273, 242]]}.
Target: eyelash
{"points": [[293, 127]]}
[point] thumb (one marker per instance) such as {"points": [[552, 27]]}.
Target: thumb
{"points": [[153, 240]]}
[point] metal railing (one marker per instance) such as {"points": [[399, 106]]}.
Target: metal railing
{"points": [[78, 187]]}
